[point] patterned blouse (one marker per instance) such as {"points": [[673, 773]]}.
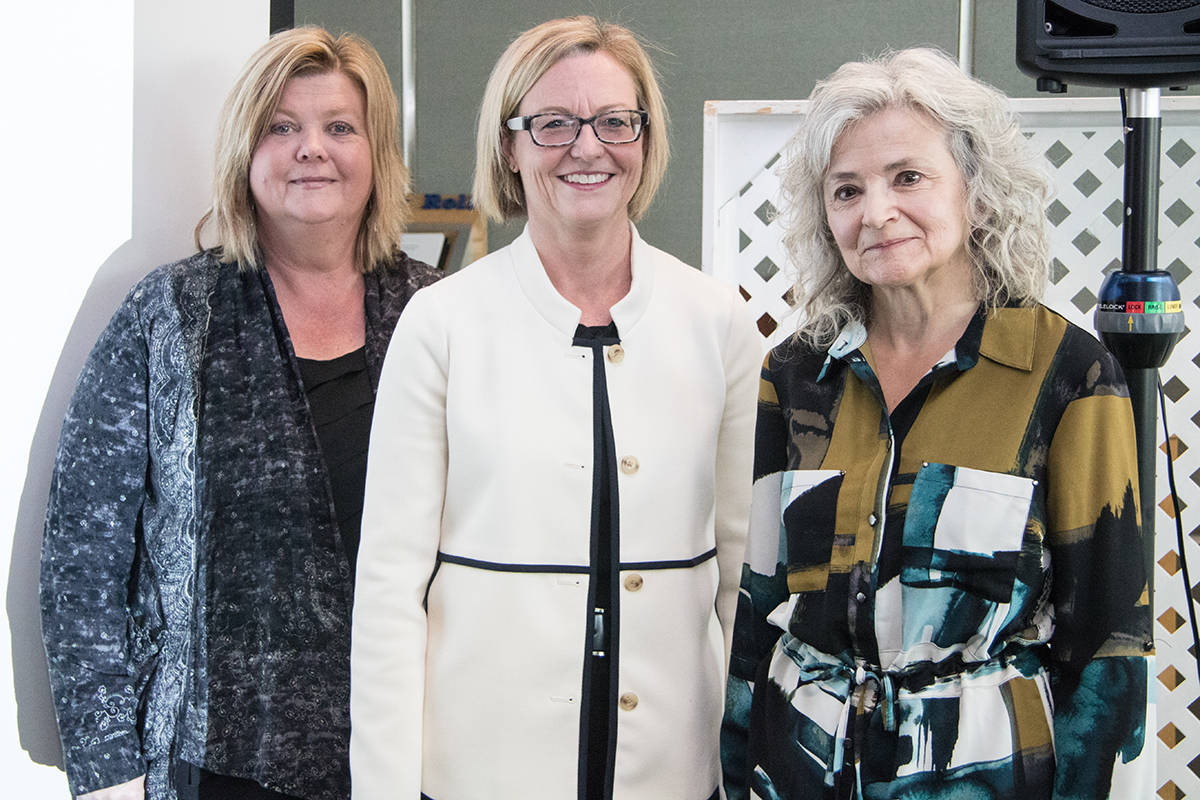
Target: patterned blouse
{"points": [[950, 600], [195, 590]]}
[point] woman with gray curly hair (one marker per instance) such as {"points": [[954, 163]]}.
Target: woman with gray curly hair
{"points": [[944, 594]]}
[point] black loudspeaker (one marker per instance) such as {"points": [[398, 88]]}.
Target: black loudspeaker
{"points": [[1139, 44]]}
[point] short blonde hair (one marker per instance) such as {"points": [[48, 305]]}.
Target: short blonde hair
{"points": [[1006, 192], [247, 114], [498, 192]]}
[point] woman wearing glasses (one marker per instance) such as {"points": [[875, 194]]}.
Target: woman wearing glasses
{"points": [[558, 485]]}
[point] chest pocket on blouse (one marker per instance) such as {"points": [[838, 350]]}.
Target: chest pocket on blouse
{"points": [[964, 529]]}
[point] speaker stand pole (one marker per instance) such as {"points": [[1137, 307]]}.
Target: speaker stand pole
{"points": [[1139, 254], [1139, 315]]}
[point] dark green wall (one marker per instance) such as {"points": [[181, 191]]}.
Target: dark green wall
{"points": [[710, 50]]}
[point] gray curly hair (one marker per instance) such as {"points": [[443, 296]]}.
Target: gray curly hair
{"points": [[1007, 186]]}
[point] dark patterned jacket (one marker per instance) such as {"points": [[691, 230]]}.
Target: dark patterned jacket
{"points": [[195, 592]]}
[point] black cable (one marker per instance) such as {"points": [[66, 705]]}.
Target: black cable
{"points": [[1187, 581]]}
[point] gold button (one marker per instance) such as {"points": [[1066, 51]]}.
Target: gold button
{"points": [[629, 465], [633, 582], [616, 354], [628, 701]]}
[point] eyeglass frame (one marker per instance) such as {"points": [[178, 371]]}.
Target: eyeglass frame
{"points": [[522, 124]]}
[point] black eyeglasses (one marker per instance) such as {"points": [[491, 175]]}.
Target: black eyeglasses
{"points": [[558, 130]]}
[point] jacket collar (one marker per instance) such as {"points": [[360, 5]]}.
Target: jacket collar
{"points": [[557, 310]]}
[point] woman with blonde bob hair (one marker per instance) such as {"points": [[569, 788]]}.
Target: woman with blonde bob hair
{"points": [[245, 121], [499, 192], [943, 594], [201, 535], [558, 486]]}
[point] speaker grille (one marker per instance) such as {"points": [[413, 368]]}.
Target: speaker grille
{"points": [[1143, 6]]}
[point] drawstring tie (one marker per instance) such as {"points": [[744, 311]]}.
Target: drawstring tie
{"points": [[869, 687], [885, 684]]}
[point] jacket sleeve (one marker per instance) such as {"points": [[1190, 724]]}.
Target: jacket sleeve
{"points": [[88, 553], [763, 587], [743, 354], [1099, 592], [401, 528]]}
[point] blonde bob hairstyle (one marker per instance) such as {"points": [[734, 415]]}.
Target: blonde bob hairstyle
{"points": [[247, 114], [498, 192], [1006, 185]]}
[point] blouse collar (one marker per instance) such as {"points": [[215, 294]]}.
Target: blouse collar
{"points": [[1006, 336]]}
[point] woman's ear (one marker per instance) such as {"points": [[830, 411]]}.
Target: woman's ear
{"points": [[506, 144]]}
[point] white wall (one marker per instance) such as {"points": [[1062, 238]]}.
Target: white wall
{"points": [[110, 115]]}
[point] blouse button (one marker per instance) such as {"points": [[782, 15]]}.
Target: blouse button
{"points": [[616, 354], [633, 582], [871, 520], [628, 701], [860, 597], [629, 465]]}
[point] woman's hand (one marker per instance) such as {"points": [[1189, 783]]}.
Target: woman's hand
{"points": [[130, 790]]}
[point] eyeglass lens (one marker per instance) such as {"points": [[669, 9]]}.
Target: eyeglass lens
{"points": [[615, 127]]}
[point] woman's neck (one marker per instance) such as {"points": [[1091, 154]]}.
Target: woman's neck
{"points": [[589, 267], [911, 326], [909, 334], [320, 292], [303, 248]]}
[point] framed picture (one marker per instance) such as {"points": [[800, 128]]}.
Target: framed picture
{"points": [[464, 232]]}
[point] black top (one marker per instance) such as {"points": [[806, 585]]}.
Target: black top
{"points": [[598, 728], [341, 400]]}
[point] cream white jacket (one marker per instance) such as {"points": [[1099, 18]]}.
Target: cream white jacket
{"points": [[471, 612]]}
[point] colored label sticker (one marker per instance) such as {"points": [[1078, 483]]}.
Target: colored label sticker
{"points": [[1154, 307], [1134, 307]]}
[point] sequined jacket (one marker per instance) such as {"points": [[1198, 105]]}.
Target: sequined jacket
{"points": [[195, 594]]}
